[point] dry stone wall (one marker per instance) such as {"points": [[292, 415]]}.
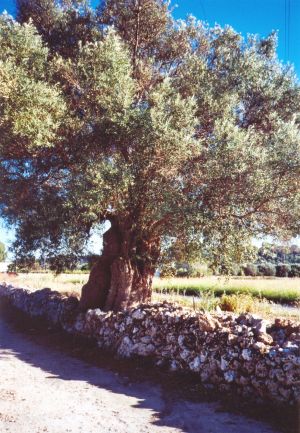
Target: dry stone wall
{"points": [[235, 354]]}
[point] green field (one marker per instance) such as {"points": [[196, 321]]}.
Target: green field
{"points": [[283, 290]]}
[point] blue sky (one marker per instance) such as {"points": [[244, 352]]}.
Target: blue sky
{"points": [[245, 16], [253, 16]]}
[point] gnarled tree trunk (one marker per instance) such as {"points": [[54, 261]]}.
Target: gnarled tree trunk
{"points": [[123, 274]]}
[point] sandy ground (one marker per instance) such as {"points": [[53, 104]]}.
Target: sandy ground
{"points": [[45, 390]]}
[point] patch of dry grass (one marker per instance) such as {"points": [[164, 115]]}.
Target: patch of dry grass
{"points": [[36, 281]]}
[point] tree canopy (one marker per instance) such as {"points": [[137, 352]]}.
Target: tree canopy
{"points": [[171, 130]]}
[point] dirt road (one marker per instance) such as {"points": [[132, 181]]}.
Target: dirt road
{"points": [[45, 390]]}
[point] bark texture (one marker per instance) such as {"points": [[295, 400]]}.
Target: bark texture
{"points": [[123, 274]]}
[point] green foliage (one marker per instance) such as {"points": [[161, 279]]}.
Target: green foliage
{"points": [[63, 24], [105, 73], [295, 271], [191, 270], [24, 265], [91, 259], [180, 133], [3, 253], [266, 270], [62, 263], [11, 268], [168, 270], [279, 254], [32, 109], [282, 270], [250, 270], [238, 303]]}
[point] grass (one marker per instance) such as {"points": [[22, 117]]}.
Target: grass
{"points": [[283, 290], [255, 295], [242, 303], [61, 282]]}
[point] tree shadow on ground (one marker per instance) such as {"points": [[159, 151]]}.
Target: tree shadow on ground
{"points": [[177, 401]]}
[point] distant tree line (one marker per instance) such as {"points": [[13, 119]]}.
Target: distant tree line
{"points": [[277, 254], [275, 260], [58, 264], [269, 260]]}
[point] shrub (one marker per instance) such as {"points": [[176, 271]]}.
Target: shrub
{"points": [[183, 271], [239, 303], [238, 271], [12, 268], [197, 270], [24, 265], [282, 270], [250, 270], [241, 272], [266, 270], [62, 262], [295, 271], [232, 269], [167, 271]]}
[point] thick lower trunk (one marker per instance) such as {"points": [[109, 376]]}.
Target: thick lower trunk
{"points": [[120, 279]]}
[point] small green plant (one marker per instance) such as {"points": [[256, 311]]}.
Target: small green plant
{"points": [[207, 301]]}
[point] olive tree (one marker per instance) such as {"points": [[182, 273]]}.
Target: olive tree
{"points": [[170, 130]]}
